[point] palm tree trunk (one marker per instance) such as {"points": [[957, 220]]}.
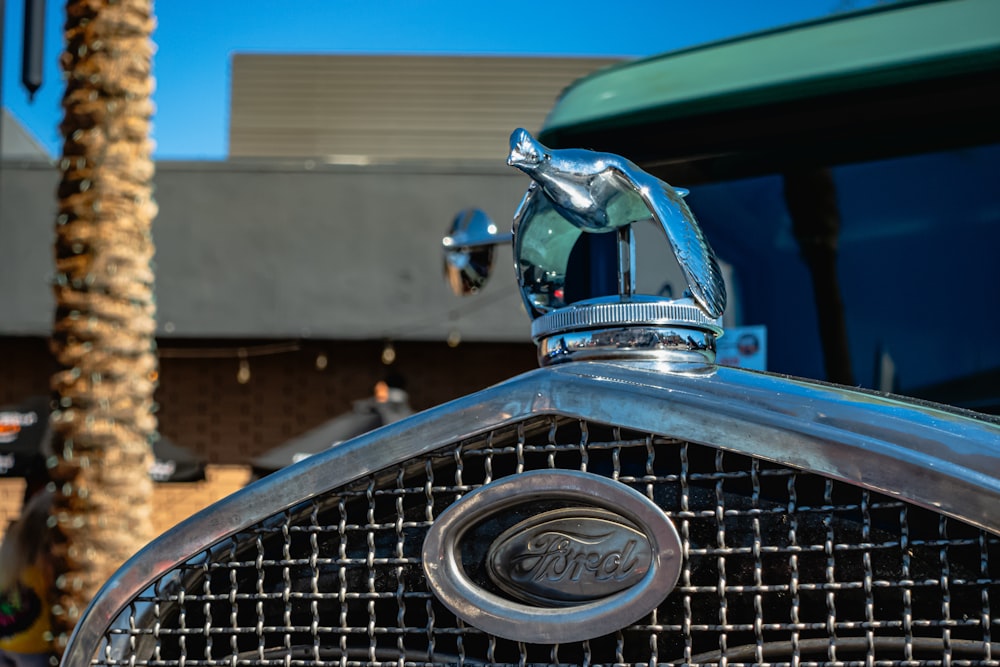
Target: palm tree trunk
{"points": [[103, 335]]}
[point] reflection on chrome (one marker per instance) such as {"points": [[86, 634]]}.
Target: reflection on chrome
{"points": [[468, 251], [600, 192], [575, 195]]}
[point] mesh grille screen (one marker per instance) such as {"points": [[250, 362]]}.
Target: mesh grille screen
{"points": [[780, 567]]}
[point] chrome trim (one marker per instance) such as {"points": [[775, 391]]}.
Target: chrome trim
{"points": [[944, 459], [550, 625], [665, 344], [636, 311]]}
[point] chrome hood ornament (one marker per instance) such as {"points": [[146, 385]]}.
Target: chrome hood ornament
{"points": [[577, 191]]}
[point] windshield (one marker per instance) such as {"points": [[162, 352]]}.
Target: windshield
{"points": [[915, 263]]}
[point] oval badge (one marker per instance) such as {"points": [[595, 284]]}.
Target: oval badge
{"points": [[569, 556], [602, 562]]}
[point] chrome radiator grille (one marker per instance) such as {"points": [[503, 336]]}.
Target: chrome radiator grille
{"points": [[780, 567]]}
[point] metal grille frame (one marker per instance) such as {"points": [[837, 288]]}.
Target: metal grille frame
{"points": [[781, 565]]}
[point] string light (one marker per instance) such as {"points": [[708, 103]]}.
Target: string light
{"points": [[243, 374], [388, 353], [321, 361]]}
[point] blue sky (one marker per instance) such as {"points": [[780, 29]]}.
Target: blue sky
{"points": [[196, 38]]}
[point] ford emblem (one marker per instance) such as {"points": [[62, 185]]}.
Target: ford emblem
{"points": [[569, 556], [603, 559]]}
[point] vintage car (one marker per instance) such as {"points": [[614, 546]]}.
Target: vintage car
{"points": [[630, 502]]}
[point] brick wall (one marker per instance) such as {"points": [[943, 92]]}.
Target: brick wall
{"points": [[205, 409]]}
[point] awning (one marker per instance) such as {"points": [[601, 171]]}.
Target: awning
{"points": [[25, 443]]}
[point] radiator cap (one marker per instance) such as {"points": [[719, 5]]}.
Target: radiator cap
{"points": [[584, 202]]}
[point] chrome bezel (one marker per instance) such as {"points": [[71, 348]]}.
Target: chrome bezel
{"points": [[550, 625]]}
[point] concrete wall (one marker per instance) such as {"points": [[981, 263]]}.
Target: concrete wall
{"points": [[27, 223], [286, 250]]}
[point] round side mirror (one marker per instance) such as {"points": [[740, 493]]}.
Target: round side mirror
{"points": [[469, 249]]}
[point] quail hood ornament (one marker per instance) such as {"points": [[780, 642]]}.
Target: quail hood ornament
{"points": [[575, 196]]}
